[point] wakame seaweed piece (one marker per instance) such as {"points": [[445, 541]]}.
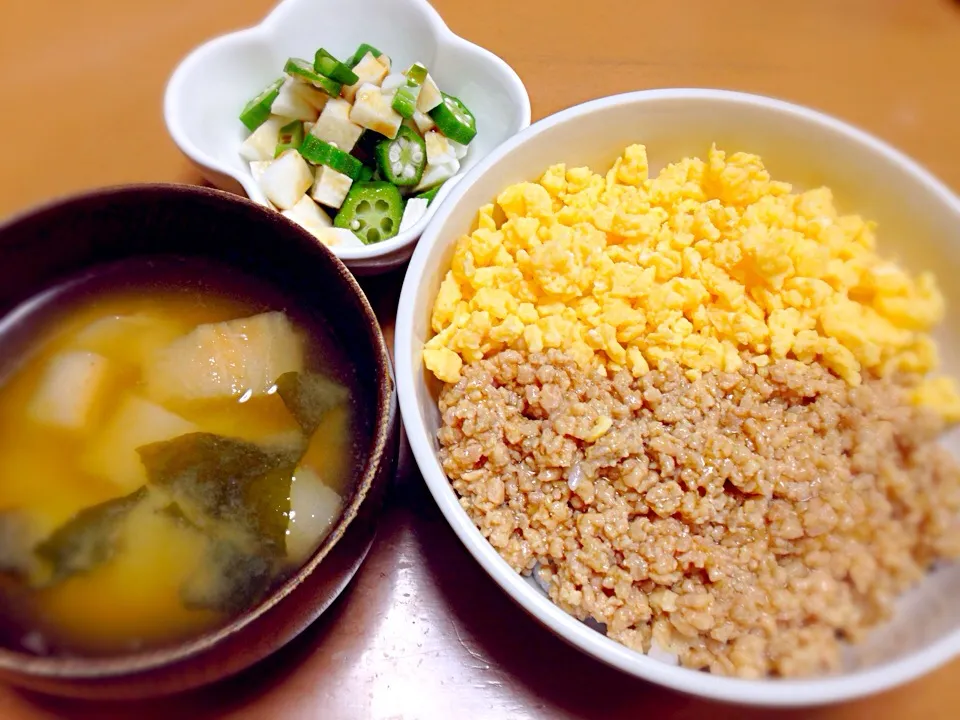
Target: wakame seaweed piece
{"points": [[229, 580], [174, 511], [89, 538], [308, 396], [228, 479]]}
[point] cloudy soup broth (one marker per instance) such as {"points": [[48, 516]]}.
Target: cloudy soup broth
{"points": [[175, 440]]}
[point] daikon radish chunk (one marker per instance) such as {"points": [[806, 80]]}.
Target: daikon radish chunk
{"points": [[229, 359], [314, 507], [128, 338], [69, 390], [113, 452]]}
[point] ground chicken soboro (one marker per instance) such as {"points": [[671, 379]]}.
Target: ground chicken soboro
{"points": [[748, 521]]}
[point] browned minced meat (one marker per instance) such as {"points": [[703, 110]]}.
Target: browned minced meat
{"points": [[748, 522]]}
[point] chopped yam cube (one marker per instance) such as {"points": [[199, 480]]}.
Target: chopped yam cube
{"points": [[335, 126], [436, 174], [113, 453], [227, 359], [258, 168], [391, 83], [286, 180], [308, 215], [412, 212], [291, 103], [442, 163], [69, 390], [373, 111], [314, 507], [312, 95], [369, 70], [429, 96], [423, 122], [438, 147], [262, 142], [338, 237], [331, 187], [459, 150]]}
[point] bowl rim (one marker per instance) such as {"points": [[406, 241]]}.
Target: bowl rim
{"points": [[763, 692], [173, 113], [124, 665]]}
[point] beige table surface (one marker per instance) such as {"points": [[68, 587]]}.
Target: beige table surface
{"points": [[422, 633]]}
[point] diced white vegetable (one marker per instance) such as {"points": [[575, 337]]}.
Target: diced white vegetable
{"points": [[315, 221], [291, 103], [433, 175], [128, 339], [442, 163], [331, 187], [335, 126], [314, 507], [137, 422], [308, 211], [372, 111], [414, 210], [314, 96], [338, 237], [19, 535], [369, 70], [262, 142], [423, 122], [438, 147], [308, 215], [69, 390], [307, 127], [229, 359], [286, 180], [429, 96], [458, 149], [258, 168], [391, 82]]}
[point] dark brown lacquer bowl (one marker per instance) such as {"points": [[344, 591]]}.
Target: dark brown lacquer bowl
{"points": [[54, 243]]}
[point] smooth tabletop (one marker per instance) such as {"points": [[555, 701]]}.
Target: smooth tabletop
{"points": [[422, 632]]}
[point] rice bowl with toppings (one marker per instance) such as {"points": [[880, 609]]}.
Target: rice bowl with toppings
{"points": [[716, 358], [695, 404]]}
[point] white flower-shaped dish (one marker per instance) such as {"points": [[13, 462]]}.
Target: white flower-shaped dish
{"points": [[209, 88]]}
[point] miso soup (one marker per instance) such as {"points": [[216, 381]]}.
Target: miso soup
{"points": [[175, 440]]}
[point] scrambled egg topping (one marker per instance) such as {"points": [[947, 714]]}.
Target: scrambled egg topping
{"points": [[706, 262]]}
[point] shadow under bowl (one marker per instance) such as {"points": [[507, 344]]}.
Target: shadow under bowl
{"points": [[57, 242]]}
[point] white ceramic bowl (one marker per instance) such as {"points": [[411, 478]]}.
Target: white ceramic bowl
{"points": [[210, 87], [919, 223]]}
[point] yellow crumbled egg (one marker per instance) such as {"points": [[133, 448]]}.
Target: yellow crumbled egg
{"points": [[707, 262]]}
